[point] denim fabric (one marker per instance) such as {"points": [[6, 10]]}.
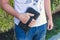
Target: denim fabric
{"points": [[35, 33]]}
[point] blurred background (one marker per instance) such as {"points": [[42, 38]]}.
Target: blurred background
{"points": [[7, 24]]}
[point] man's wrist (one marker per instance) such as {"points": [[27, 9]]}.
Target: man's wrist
{"points": [[50, 19], [17, 15]]}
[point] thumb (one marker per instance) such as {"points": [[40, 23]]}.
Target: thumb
{"points": [[30, 14]]}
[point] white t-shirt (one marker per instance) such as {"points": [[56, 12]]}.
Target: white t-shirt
{"points": [[22, 5]]}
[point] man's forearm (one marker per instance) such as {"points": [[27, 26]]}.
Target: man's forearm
{"points": [[10, 10], [48, 9]]}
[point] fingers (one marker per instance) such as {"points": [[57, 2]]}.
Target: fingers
{"points": [[50, 27], [32, 22], [30, 14]]}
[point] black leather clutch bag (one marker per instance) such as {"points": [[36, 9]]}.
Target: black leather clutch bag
{"points": [[36, 15]]}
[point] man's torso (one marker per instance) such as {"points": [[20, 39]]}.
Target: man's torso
{"points": [[22, 5]]}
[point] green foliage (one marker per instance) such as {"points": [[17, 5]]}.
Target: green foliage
{"points": [[6, 20], [54, 4]]}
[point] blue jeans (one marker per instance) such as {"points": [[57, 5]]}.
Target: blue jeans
{"points": [[35, 33]]}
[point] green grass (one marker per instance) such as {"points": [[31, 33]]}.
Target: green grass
{"points": [[56, 20]]}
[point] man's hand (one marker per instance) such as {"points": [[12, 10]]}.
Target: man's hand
{"points": [[32, 23], [50, 25], [25, 17]]}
